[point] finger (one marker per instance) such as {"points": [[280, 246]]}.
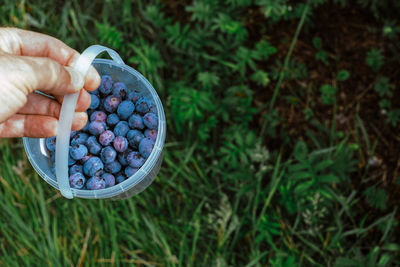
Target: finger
{"points": [[41, 105], [36, 73], [83, 102], [27, 43], [37, 126]]}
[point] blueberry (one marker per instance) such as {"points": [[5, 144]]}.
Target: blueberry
{"points": [[120, 143], [111, 103], [51, 144], [152, 134], [119, 89], [134, 96], [86, 128], [78, 151], [125, 109], [106, 137], [72, 134], [142, 106], [96, 128], [109, 179], [112, 167], [77, 180], [71, 161], [146, 146], [135, 160], [120, 178], [79, 138], [95, 101], [105, 85], [93, 146], [93, 166], [99, 116], [150, 120], [112, 119], [129, 171], [121, 128], [136, 122], [122, 157], [53, 157], [134, 137], [75, 168], [53, 169], [95, 183], [108, 154]]}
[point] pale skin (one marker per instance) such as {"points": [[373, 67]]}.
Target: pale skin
{"points": [[31, 61]]}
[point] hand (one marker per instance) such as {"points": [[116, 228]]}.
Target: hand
{"points": [[32, 61]]}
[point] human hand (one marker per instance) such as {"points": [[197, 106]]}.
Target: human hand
{"points": [[32, 61]]}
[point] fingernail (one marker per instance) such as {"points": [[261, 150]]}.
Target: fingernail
{"points": [[77, 80]]}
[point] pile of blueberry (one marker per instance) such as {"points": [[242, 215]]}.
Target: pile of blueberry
{"points": [[116, 141]]}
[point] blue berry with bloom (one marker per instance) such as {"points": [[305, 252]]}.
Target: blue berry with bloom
{"points": [[79, 138], [106, 138], [120, 143], [134, 96], [78, 151], [108, 154], [146, 146], [77, 180], [134, 137], [51, 143], [93, 166], [125, 109], [112, 119], [120, 178], [135, 159], [150, 120], [99, 116], [136, 122], [142, 106], [122, 157], [109, 179], [93, 146], [75, 168], [129, 171], [111, 103], [106, 84], [96, 183], [152, 134], [96, 128], [112, 167], [121, 128]]}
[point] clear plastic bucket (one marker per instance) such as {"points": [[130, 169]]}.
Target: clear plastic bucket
{"points": [[36, 151]]}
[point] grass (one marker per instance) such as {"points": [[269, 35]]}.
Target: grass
{"points": [[267, 160]]}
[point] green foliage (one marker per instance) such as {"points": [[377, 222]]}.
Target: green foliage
{"points": [[328, 93], [375, 59], [383, 87], [376, 197], [343, 75], [321, 54]]}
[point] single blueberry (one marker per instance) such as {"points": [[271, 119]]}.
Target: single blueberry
{"points": [[111, 103], [122, 157], [120, 143], [72, 134], [105, 85], [78, 151], [135, 160], [146, 146], [53, 169], [75, 168], [106, 137], [121, 128], [77, 180], [51, 143], [134, 96], [142, 106], [96, 128], [120, 178], [136, 122], [119, 89], [112, 167], [53, 157], [152, 134], [79, 138], [99, 116], [85, 158], [93, 146], [129, 171], [150, 120], [112, 119], [95, 183], [93, 166], [95, 101], [125, 109], [71, 161], [134, 137], [109, 179], [108, 154]]}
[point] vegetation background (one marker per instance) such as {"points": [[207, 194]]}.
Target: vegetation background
{"points": [[282, 146]]}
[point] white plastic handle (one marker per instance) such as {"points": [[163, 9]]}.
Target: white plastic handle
{"points": [[67, 112]]}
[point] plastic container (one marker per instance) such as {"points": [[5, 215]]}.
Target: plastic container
{"points": [[38, 155]]}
